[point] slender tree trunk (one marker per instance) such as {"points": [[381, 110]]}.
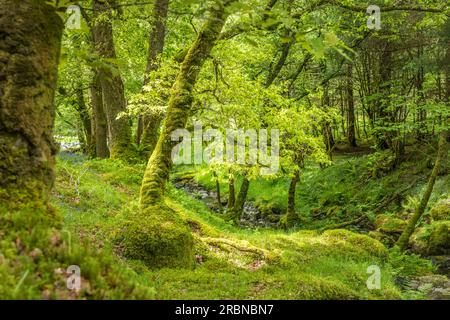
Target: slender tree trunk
{"points": [[403, 241], [350, 108], [148, 125], [231, 192], [29, 53], [100, 121], [85, 120], [112, 86], [240, 200], [291, 193], [219, 200], [160, 163]]}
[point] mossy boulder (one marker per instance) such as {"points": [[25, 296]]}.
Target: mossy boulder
{"points": [[290, 220], [389, 224], [433, 239], [158, 237], [441, 211], [348, 241]]}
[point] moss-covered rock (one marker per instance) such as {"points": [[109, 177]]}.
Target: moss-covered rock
{"points": [[158, 237], [356, 242], [441, 211], [389, 224], [433, 239], [439, 242]]}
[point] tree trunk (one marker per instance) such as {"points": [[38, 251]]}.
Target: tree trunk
{"points": [[350, 109], [219, 200], [403, 241], [291, 194], [160, 163], [240, 201], [85, 120], [29, 53], [231, 192], [112, 85], [100, 121], [148, 126]]}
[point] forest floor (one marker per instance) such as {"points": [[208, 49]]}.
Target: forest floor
{"points": [[254, 261]]}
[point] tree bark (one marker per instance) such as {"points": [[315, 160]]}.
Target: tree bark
{"points": [[30, 33], [291, 193], [112, 85], [148, 125], [85, 120], [403, 241], [240, 200], [160, 163], [231, 192], [351, 136], [99, 116]]}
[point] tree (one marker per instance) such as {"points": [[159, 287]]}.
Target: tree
{"points": [[148, 125], [30, 48], [158, 168], [403, 241], [111, 81]]}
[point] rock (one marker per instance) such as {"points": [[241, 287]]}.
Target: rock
{"points": [[432, 239], [441, 211], [436, 287], [389, 224]]}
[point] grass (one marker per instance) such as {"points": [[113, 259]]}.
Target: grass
{"points": [[96, 196]]}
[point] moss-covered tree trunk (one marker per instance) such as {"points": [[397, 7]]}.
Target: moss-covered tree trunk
{"points": [[240, 200], [99, 117], [112, 85], [30, 33], [231, 192], [218, 195], [403, 241], [148, 125], [291, 217], [160, 163], [351, 131], [85, 119]]}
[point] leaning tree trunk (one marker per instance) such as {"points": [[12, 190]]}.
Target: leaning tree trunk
{"points": [[99, 117], [30, 32], [148, 125], [403, 241], [240, 200], [160, 163], [113, 90]]}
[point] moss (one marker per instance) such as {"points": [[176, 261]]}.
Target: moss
{"points": [[433, 239], [349, 241], [35, 254], [441, 211], [389, 224], [439, 242], [158, 237]]}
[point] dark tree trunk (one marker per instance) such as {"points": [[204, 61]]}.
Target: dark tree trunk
{"points": [[148, 125], [219, 200], [291, 193], [240, 200], [30, 33], [99, 116], [160, 163], [231, 192], [351, 136], [112, 85], [85, 120]]}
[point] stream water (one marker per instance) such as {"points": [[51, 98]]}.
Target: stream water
{"points": [[251, 217]]}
